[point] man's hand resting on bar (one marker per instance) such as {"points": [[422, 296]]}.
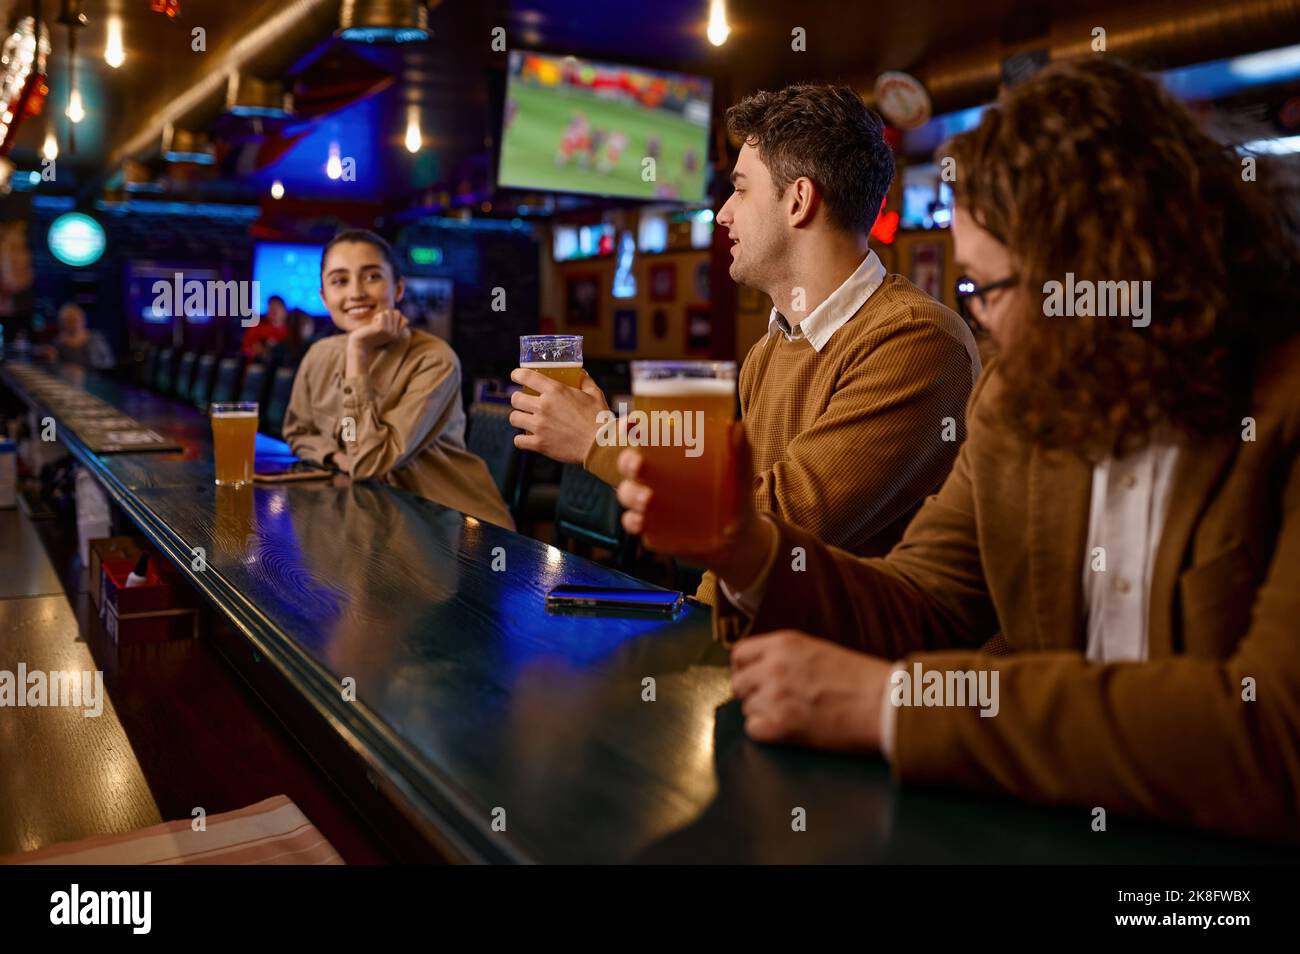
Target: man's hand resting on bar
{"points": [[796, 689]]}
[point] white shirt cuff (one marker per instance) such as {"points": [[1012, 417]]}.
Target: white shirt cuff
{"points": [[889, 714], [748, 601]]}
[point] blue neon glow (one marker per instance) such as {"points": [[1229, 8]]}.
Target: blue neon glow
{"points": [[624, 280], [1281, 146], [475, 225], [76, 239], [1270, 66], [265, 112], [198, 158], [383, 35], [1219, 78], [290, 271], [1200, 81], [355, 131], [209, 210]]}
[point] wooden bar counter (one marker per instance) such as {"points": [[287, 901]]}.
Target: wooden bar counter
{"points": [[408, 650]]}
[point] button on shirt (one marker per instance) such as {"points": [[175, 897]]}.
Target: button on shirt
{"points": [[1130, 496]]}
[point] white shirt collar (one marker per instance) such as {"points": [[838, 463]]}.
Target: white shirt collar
{"points": [[839, 306]]}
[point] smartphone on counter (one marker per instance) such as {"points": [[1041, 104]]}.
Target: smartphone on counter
{"points": [[614, 599], [281, 470]]}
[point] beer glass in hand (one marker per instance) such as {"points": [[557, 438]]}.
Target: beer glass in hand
{"points": [[684, 411], [559, 357]]}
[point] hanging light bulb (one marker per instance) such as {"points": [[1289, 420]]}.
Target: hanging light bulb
{"points": [[114, 54], [50, 150], [75, 111], [277, 189], [718, 30], [334, 167], [413, 138]]}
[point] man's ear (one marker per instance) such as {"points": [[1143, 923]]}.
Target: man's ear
{"points": [[803, 199]]}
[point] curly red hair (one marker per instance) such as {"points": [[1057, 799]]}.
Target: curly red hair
{"points": [[1091, 167]]}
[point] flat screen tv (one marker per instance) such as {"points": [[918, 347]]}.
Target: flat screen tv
{"points": [[290, 271], [576, 125]]}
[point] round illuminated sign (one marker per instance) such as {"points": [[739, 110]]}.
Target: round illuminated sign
{"points": [[76, 239], [902, 100]]}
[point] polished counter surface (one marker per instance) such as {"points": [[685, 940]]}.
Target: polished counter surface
{"points": [[506, 733]]}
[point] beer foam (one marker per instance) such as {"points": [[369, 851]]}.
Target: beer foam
{"points": [[684, 387], [228, 415], [537, 365]]}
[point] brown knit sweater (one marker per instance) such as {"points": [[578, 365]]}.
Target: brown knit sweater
{"points": [[850, 440]]}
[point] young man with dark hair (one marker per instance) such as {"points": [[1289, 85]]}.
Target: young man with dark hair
{"points": [[854, 399], [1099, 606]]}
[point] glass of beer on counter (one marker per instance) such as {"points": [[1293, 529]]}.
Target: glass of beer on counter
{"points": [[559, 357], [683, 411], [234, 434]]}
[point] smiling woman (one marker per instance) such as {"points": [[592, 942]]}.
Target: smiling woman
{"points": [[382, 400]]}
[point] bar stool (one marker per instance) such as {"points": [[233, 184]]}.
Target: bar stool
{"points": [[226, 386], [184, 375], [277, 403], [492, 438], [201, 387], [588, 513], [165, 371], [254, 386], [147, 364]]}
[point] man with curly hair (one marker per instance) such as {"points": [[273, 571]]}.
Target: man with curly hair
{"points": [[1099, 608]]}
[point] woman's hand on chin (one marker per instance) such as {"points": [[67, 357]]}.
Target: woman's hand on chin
{"points": [[384, 326]]}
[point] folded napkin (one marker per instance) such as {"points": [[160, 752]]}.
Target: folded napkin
{"points": [[272, 832]]}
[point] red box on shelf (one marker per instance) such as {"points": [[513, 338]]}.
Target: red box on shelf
{"points": [[161, 609]]}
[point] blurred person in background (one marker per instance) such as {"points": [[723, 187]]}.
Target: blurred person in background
{"points": [[270, 331], [77, 344]]}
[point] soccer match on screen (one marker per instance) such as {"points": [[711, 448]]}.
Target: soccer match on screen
{"points": [[578, 126]]}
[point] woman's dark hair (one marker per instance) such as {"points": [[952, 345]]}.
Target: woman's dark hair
{"points": [[367, 237], [1092, 168]]}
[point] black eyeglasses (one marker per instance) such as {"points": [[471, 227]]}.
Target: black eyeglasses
{"points": [[967, 289]]}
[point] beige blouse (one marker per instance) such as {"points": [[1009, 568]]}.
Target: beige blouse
{"points": [[408, 420]]}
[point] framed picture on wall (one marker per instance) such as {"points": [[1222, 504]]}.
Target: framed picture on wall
{"points": [[659, 324], [663, 281], [582, 299], [625, 329], [699, 329], [702, 280], [927, 268]]}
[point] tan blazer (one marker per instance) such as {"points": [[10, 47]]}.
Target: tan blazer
{"points": [[408, 420], [1000, 550]]}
